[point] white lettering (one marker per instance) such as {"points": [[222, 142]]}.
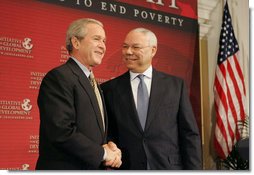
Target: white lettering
{"points": [[122, 10], [173, 4], [113, 8], [173, 20], [103, 6], [87, 3], [160, 2], [167, 20], [152, 15], [136, 12], [144, 14], [181, 22], [160, 18]]}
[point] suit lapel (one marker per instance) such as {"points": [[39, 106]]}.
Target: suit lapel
{"points": [[85, 83], [125, 93], [156, 94]]}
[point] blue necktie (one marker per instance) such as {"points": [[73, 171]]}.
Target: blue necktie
{"points": [[142, 101]]}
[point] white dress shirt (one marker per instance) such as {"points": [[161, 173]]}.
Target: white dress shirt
{"points": [[135, 82]]}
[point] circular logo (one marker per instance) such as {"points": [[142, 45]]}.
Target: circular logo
{"points": [[25, 166], [27, 43], [26, 105]]}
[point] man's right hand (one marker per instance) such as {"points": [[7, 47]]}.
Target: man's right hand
{"points": [[113, 156]]}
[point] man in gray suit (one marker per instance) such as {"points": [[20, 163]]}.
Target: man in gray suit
{"points": [[151, 118], [73, 118]]}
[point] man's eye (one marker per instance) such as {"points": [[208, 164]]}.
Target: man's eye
{"points": [[136, 47]]}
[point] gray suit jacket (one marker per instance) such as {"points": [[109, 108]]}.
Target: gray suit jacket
{"points": [[171, 137], [71, 129]]}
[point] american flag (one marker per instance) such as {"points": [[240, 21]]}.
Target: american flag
{"points": [[229, 90]]}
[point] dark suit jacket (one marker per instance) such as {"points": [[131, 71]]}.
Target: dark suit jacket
{"points": [[71, 129], [171, 137]]}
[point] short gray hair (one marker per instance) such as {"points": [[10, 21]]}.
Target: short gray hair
{"points": [[149, 33], [78, 29]]}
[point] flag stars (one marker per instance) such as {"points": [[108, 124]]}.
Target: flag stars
{"points": [[228, 43], [225, 89]]}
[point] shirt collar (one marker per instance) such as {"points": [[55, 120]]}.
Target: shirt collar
{"points": [[82, 67], [147, 73]]}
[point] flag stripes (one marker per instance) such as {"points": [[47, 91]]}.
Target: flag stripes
{"points": [[229, 90]]}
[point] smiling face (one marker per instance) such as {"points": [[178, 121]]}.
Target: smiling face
{"points": [[91, 49], [137, 52]]}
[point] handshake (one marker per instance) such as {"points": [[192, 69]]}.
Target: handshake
{"points": [[113, 155]]}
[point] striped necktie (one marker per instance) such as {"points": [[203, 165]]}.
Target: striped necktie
{"points": [[98, 96]]}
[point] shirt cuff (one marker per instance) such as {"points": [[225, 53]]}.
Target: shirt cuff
{"points": [[105, 154]]}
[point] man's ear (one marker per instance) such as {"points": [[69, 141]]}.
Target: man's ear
{"points": [[75, 42], [154, 50]]}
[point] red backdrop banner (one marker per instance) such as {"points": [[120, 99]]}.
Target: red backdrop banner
{"points": [[32, 41]]}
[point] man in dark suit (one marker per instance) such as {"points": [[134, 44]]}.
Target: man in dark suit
{"points": [[73, 120], [151, 118]]}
